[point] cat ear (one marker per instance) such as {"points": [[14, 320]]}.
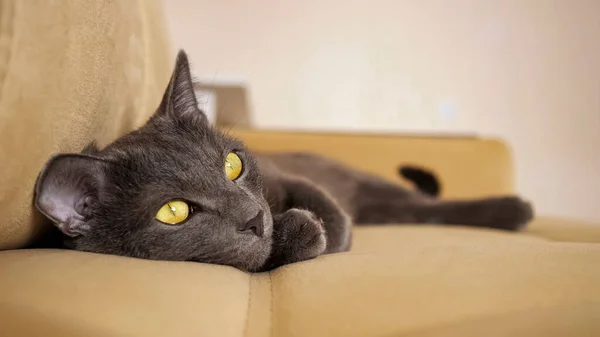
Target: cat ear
{"points": [[179, 100], [66, 187]]}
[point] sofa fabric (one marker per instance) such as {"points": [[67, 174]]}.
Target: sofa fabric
{"points": [[396, 281], [70, 72]]}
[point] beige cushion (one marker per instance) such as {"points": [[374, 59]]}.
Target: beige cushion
{"points": [[70, 72], [409, 281]]}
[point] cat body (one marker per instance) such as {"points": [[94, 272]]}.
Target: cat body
{"points": [[177, 189]]}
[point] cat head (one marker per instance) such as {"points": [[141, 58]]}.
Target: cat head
{"points": [[175, 189]]}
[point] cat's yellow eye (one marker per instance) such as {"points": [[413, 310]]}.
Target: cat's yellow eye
{"points": [[173, 212], [233, 166]]}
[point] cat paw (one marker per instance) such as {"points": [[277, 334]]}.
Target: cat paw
{"points": [[302, 235], [511, 213]]}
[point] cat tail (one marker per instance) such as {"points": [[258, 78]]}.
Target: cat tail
{"points": [[423, 179]]}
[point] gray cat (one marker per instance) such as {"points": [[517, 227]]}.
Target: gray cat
{"points": [[177, 189]]}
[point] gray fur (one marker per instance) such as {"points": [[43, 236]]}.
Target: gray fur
{"points": [[298, 206]]}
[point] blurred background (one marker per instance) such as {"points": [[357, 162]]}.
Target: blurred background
{"points": [[524, 71]]}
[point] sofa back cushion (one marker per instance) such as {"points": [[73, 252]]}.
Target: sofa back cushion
{"points": [[70, 72]]}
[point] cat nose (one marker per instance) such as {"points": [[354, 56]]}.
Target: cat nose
{"points": [[253, 226]]}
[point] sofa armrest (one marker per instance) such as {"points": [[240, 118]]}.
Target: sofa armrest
{"points": [[467, 167]]}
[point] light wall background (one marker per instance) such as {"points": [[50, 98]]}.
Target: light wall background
{"points": [[524, 70]]}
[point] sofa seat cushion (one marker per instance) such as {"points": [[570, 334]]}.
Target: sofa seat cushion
{"points": [[69, 293], [404, 281], [398, 280]]}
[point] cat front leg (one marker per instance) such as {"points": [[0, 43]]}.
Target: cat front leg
{"points": [[301, 193], [298, 235]]}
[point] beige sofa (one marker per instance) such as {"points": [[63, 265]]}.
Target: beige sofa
{"points": [[72, 71]]}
